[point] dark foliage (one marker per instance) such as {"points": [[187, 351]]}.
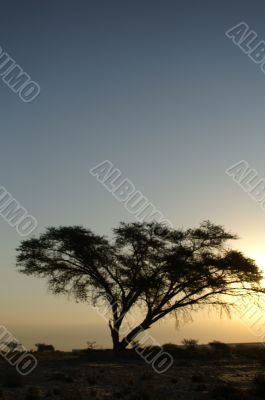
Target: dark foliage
{"points": [[161, 270]]}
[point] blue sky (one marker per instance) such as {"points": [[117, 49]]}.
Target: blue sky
{"points": [[156, 88]]}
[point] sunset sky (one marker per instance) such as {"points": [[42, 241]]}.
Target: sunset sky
{"points": [[157, 88]]}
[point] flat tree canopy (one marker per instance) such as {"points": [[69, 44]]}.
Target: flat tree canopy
{"points": [[148, 266]]}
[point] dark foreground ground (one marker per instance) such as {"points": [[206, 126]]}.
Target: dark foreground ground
{"points": [[196, 374]]}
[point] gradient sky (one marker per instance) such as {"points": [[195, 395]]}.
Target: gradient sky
{"points": [[158, 89]]}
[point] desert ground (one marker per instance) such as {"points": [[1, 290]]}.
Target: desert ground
{"points": [[201, 373]]}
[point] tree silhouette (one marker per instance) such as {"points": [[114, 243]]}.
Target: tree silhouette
{"points": [[42, 347], [160, 270], [13, 345]]}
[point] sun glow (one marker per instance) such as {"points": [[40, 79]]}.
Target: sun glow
{"points": [[259, 257]]}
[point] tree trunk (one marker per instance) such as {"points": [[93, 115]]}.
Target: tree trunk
{"points": [[117, 345], [121, 345], [135, 332]]}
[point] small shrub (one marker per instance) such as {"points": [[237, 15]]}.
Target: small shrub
{"points": [[44, 348], [91, 345], [190, 344], [220, 348], [170, 347]]}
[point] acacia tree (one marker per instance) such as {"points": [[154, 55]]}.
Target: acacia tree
{"points": [[160, 270]]}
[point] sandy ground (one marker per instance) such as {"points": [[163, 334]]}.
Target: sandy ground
{"points": [[64, 376]]}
